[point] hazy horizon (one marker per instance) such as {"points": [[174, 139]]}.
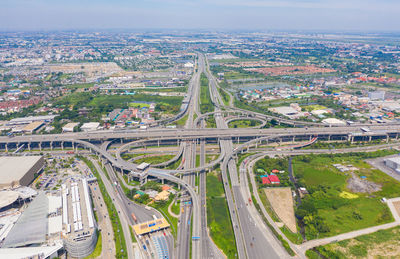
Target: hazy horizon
{"points": [[351, 15]]}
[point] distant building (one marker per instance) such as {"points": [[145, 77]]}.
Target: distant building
{"points": [[90, 126], [376, 95]]}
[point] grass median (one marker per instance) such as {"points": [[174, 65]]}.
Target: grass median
{"points": [[218, 217]]}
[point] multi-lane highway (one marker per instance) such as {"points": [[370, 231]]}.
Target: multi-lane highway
{"points": [[250, 240]]}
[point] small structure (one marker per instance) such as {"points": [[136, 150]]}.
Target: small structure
{"points": [[143, 166], [162, 196], [274, 179]]}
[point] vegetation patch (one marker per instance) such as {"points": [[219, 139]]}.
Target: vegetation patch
{"points": [[218, 217], [331, 208], [244, 123], [348, 195]]}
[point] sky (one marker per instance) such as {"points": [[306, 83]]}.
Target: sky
{"points": [[330, 15]]}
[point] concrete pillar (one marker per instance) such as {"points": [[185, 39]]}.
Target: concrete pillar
{"points": [[51, 145], [387, 138], [6, 147], [329, 137], [158, 143], [294, 138], [162, 181], [29, 146], [370, 138], [62, 145], [121, 140]]}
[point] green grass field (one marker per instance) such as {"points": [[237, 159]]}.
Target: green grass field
{"points": [[154, 159], [176, 207], [218, 218], [324, 211], [244, 124], [205, 99]]}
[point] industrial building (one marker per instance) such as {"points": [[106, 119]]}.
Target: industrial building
{"points": [[27, 120], [79, 226], [19, 170]]}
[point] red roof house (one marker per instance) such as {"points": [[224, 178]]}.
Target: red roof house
{"points": [[274, 179], [265, 180]]}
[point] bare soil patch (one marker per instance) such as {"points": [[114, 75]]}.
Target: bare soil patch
{"points": [[281, 201], [356, 184]]}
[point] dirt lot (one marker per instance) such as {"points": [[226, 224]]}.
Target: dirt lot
{"points": [[356, 184], [282, 202]]}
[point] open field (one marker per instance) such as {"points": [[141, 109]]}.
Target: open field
{"points": [[333, 207], [282, 202]]}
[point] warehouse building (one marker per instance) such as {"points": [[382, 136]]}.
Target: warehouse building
{"points": [[19, 170]]}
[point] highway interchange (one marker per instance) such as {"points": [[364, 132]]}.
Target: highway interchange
{"points": [[252, 236]]}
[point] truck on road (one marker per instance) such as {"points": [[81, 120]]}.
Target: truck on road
{"points": [[134, 217]]}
